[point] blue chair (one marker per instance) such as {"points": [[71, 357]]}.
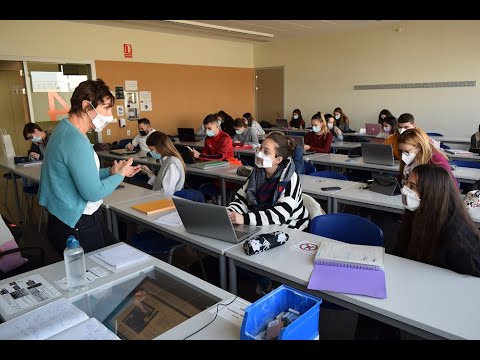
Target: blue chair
{"points": [[464, 163], [443, 146], [329, 174], [309, 167], [434, 134]]}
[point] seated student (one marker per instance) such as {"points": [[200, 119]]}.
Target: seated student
{"points": [[383, 114], [343, 122], [272, 194], [389, 127], [297, 121], [244, 134], [218, 145], [171, 176], [226, 123], [407, 121], [436, 227], [140, 139], [254, 125], [475, 140], [297, 156], [334, 130], [319, 139], [417, 150], [39, 138]]}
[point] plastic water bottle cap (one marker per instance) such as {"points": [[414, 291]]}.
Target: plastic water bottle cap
{"points": [[72, 242]]}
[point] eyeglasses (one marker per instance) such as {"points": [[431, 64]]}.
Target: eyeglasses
{"points": [[407, 153]]}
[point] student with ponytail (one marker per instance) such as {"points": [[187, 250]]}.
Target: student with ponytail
{"points": [[319, 139]]}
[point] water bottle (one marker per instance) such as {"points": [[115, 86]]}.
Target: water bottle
{"points": [[75, 264]]}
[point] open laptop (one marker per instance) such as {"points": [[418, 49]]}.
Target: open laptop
{"points": [[282, 123], [380, 154], [301, 142], [188, 158], [121, 152], [186, 134], [211, 221], [373, 129]]}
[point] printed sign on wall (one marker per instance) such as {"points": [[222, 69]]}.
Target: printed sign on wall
{"points": [[127, 50]]}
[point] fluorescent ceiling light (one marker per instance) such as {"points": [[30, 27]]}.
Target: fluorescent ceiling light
{"points": [[221, 28]]}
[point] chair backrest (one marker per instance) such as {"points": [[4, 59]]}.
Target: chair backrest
{"points": [[434, 134], [122, 143], [190, 194], [443, 146], [465, 163], [349, 228], [309, 167], [329, 174]]}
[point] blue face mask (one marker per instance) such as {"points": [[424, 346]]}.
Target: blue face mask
{"points": [[315, 129], [210, 133], [155, 155], [36, 139], [239, 132]]}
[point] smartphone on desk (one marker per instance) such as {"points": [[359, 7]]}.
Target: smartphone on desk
{"points": [[330, 188]]}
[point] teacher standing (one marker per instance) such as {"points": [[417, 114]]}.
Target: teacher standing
{"points": [[73, 185]]}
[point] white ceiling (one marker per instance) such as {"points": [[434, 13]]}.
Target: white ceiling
{"points": [[244, 30]]}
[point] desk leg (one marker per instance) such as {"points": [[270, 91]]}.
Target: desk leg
{"points": [[232, 276], [334, 206], [108, 214], [17, 198], [329, 205], [114, 224], [224, 191], [222, 259]]}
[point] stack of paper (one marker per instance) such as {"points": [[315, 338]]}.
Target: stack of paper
{"points": [[119, 257]]}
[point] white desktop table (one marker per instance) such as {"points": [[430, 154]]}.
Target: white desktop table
{"points": [[219, 329], [345, 145], [425, 300], [452, 139], [210, 246], [470, 157], [343, 161]]}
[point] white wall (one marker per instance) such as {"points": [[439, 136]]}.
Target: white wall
{"points": [[71, 40], [320, 73]]}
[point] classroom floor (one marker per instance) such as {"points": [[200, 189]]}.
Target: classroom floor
{"points": [[334, 324]]}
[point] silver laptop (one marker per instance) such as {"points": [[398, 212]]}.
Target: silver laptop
{"points": [[301, 142], [380, 154], [211, 221]]}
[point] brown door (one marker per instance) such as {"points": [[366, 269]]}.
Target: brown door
{"points": [[269, 94]]}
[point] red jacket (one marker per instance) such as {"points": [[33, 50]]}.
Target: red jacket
{"points": [[217, 147], [318, 143]]}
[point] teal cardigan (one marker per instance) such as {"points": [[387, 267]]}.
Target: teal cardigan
{"points": [[69, 177]]}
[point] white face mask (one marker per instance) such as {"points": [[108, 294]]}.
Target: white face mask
{"points": [[401, 130], [337, 116], [410, 199], [330, 126], [295, 116], [262, 160], [408, 159], [387, 129], [100, 121]]}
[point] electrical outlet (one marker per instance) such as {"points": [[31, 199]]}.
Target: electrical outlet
{"points": [[128, 132], [109, 132]]}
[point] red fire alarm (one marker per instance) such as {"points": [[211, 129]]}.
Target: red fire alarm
{"points": [[127, 50]]}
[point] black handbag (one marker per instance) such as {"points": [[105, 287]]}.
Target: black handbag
{"points": [[384, 184]]}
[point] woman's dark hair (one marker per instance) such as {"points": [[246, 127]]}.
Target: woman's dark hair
{"points": [[249, 118], [285, 145], [392, 121], [440, 203], [343, 118], [164, 145], [297, 111], [29, 129], [385, 112], [94, 91], [239, 122]]}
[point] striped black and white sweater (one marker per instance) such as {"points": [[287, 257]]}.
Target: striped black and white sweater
{"points": [[288, 209]]}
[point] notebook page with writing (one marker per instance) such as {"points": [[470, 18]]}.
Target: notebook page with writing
{"points": [[42, 323], [119, 257], [337, 253], [91, 329]]}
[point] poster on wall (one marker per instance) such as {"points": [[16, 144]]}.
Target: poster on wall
{"points": [[119, 94], [132, 105], [146, 100], [131, 85]]}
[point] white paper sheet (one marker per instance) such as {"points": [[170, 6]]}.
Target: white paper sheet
{"points": [[172, 219]]}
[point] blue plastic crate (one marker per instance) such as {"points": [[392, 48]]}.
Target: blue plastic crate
{"points": [[260, 313]]}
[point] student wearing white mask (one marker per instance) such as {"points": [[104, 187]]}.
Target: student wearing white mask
{"points": [[171, 176], [244, 134], [436, 227], [73, 185], [334, 130], [272, 194], [389, 127], [342, 120], [297, 120], [417, 150], [407, 121], [319, 139]]}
